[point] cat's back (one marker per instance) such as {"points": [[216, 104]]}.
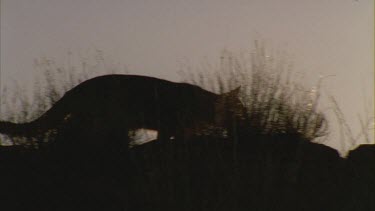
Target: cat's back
{"points": [[120, 79], [139, 82], [142, 87], [120, 83]]}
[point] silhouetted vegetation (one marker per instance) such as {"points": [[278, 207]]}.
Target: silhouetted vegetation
{"points": [[268, 162], [276, 102]]}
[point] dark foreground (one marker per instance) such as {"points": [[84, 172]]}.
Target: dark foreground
{"points": [[279, 173]]}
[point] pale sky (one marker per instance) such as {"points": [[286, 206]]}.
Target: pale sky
{"points": [[152, 36]]}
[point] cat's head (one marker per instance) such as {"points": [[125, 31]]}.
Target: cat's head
{"points": [[229, 108]]}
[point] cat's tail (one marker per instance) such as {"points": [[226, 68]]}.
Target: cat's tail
{"points": [[47, 121], [18, 129], [51, 119]]}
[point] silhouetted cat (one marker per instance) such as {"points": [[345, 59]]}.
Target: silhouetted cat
{"points": [[115, 104]]}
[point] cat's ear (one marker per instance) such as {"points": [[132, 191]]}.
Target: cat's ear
{"points": [[233, 93]]}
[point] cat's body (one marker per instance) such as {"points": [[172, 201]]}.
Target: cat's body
{"points": [[119, 103]]}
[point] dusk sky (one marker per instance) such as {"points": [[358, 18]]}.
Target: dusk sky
{"points": [[151, 37]]}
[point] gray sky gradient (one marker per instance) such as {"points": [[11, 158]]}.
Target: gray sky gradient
{"points": [[151, 37]]}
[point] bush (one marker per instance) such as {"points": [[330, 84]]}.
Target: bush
{"points": [[275, 104]]}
